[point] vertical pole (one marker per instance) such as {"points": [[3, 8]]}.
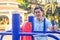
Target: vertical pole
{"points": [[31, 19], [15, 26], [53, 24], [44, 28]]}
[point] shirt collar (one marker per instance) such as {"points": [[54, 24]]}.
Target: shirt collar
{"points": [[40, 21]]}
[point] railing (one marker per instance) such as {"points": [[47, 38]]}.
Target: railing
{"points": [[16, 31]]}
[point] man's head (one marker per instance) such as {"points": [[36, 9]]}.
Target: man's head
{"points": [[38, 12]]}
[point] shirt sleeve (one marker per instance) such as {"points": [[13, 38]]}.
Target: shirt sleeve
{"points": [[48, 23]]}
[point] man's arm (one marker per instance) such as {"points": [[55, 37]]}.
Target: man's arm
{"points": [[50, 27]]}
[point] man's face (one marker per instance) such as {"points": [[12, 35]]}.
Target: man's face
{"points": [[38, 13]]}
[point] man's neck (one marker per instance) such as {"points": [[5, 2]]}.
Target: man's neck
{"points": [[40, 19]]}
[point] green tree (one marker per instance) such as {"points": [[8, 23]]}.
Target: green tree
{"points": [[23, 4]]}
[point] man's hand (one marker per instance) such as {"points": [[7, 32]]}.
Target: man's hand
{"points": [[53, 28]]}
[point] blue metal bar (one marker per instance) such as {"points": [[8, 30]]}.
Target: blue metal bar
{"points": [[33, 33], [53, 22], [52, 36], [15, 26], [57, 32], [26, 33], [44, 28], [31, 19], [4, 35], [30, 34]]}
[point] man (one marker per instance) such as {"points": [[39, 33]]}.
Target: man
{"points": [[38, 22], [38, 25]]}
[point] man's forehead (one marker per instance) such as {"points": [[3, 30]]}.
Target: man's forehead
{"points": [[37, 10]]}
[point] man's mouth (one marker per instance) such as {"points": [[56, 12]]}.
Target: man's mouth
{"points": [[38, 15]]}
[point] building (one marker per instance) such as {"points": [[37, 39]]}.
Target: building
{"points": [[7, 8]]}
